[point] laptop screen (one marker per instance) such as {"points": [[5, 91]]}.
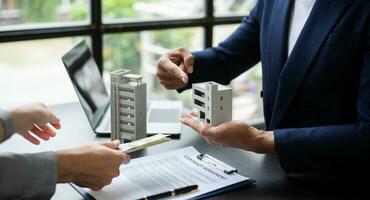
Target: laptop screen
{"points": [[87, 82]]}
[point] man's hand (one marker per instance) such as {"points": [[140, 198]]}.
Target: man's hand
{"points": [[173, 68], [33, 121], [233, 134], [93, 165]]}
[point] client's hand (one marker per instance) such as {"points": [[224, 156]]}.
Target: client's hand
{"points": [[93, 165], [33, 121], [233, 134]]}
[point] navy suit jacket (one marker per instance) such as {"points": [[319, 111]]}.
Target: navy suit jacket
{"points": [[317, 100]]}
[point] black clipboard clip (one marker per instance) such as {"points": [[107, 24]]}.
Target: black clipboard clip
{"points": [[227, 169]]}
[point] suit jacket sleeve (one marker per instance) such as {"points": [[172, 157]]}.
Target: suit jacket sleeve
{"points": [[239, 52], [27, 176], [335, 147]]}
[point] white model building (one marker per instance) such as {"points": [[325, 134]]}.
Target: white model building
{"points": [[213, 102], [128, 106]]}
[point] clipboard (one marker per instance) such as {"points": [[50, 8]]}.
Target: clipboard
{"points": [[201, 159], [88, 196], [227, 169]]}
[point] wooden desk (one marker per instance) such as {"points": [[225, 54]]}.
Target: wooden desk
{"points": [[271, 180]]}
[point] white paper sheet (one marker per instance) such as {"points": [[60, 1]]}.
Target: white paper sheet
{"points": [[162, 172]]}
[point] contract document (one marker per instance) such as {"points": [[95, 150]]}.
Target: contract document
{"points": [[154, 174]]}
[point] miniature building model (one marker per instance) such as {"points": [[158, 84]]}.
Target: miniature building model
{"points": [[128, 106], [213, 102]]}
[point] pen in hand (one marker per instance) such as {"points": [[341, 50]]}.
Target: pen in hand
{"points": [[170, 193]]}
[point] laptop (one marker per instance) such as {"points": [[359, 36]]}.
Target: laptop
{"points": [[162, 116]]}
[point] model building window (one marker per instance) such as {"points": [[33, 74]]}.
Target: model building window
{"points": [[199, 93], [202, 115], [199, 103], [221, 98]]}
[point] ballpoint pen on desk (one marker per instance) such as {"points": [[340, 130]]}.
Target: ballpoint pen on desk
{"points": [[170, 193]]}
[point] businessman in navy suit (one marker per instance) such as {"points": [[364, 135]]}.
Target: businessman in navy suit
{"points": [[316, 82]]}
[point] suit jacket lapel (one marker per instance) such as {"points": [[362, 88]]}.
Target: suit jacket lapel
{"points": [[324, 15], [278, 42]]}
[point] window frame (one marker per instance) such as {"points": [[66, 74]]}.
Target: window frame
{"points": [[96, 29]]}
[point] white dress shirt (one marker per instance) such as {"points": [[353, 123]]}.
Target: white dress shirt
{"points": [[300, 13]]}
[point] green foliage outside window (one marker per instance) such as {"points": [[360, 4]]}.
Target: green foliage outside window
{"points": [[121, 9], [38, 10], [122, 51], [174, 38], [114, 9], [43, 11], [78, 12]]}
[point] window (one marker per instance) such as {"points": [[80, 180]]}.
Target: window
{"points": [[233, 8], [139, 51], [247, 104], [199, 93], [27, 75], [115, 11], [221, 32], [28, 14], [34, 34], [202, 115], [199, 103]]}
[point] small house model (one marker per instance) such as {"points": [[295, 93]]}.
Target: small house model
{"points": [[213, 102]]}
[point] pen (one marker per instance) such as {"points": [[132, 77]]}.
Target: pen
{"points": [[170, 193]]}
